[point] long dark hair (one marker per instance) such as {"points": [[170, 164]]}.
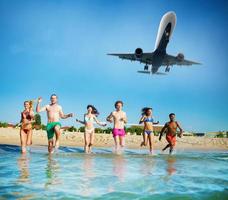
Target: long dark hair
{"points": [[145, 110], [94, 110]]}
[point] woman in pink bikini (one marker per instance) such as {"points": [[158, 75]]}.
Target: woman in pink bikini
{"points": [[119, 118], [27, 117]]}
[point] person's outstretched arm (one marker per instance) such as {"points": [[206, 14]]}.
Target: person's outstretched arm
{"points": [[63, 116], [181, 130], [38, 108], [82, 122], [110, 118], [162, 131], [142, 119], [98, 122], [156, 122]]}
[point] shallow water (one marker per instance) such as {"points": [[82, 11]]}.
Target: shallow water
{"points": [[70, 174]]}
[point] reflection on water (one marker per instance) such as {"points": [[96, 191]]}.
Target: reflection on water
{"points": [[23, 167], [52, 171], [133, 175], [119, 167], [86, 188], [147, 166], [171, 169]]}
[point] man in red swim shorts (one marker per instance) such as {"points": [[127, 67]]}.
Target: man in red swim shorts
{"points": [[171, 129]]}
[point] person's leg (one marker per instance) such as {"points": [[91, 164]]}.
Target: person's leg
{"points": [[91, 141], [121, 140], [146, 139], [115, 134], [57, 135], [171, 149], [116, 143], [29, 138], [167, 146], [23, 137], [86, 139], [50, 145], [143, 143], [150, 142]]}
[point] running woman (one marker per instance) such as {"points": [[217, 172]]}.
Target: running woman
{"points": [[27, 117], [148, 135], [89, 119]]}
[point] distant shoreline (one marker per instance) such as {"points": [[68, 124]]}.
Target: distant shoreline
{"points": [[76, 139]]}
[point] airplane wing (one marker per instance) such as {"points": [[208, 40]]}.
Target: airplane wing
{"points": [[145, 58], [174, 60]]}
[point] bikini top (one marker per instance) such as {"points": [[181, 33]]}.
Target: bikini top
{"points": [[89, 119], [149, 119], [27, 116]]}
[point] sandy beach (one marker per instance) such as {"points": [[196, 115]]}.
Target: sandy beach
{"points": [[12, 136]]}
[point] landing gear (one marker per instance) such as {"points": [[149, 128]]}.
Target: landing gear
{"points": [[146, 67], [167, 69]]}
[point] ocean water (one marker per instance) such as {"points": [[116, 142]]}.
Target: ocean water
{"points": [[70, 174]]}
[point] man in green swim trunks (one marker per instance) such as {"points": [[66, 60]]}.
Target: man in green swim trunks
{"points": [[54, 113]]}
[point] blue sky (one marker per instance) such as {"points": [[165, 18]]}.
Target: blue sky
{"points": [[60, 47]]}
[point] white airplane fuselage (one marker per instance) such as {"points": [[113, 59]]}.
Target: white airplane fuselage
{"points": [[166, 27]]}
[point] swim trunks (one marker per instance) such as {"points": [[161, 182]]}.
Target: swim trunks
{"points": [[50, 129], [118, 132]]}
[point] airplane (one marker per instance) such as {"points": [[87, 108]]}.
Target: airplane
{"points": [[158, 57]]}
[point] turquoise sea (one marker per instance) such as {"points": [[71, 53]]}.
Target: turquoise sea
{"points": [[70, 174]]}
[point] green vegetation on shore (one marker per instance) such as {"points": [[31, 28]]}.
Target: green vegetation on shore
{"points": [[133, 130]]}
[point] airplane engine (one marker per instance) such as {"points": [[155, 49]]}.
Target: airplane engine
{"points": [[180, 56], [138, 53]]}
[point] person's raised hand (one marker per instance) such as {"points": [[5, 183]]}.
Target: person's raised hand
{"points": [[70, 115], [39, 99]]}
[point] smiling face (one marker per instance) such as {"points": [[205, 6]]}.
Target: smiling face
{"points": [[54, 99], [26, 105], [149, 112], [89, 109], [172, 117], [118, 106]]}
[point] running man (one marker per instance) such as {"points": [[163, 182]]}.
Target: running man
{"points": [[119, 118], [54, 113], [171, 132]]}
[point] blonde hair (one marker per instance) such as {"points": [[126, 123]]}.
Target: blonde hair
{"points": [[30, 104]]}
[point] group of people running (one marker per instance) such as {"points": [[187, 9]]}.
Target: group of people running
{"points": [[118, 117]]}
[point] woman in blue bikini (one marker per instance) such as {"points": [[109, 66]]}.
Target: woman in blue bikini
{"points": [[89, 119], [148, 135]]}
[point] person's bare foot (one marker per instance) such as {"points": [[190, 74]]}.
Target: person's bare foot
{"points": [[142, 144], [57, 144], [23, 150]]}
